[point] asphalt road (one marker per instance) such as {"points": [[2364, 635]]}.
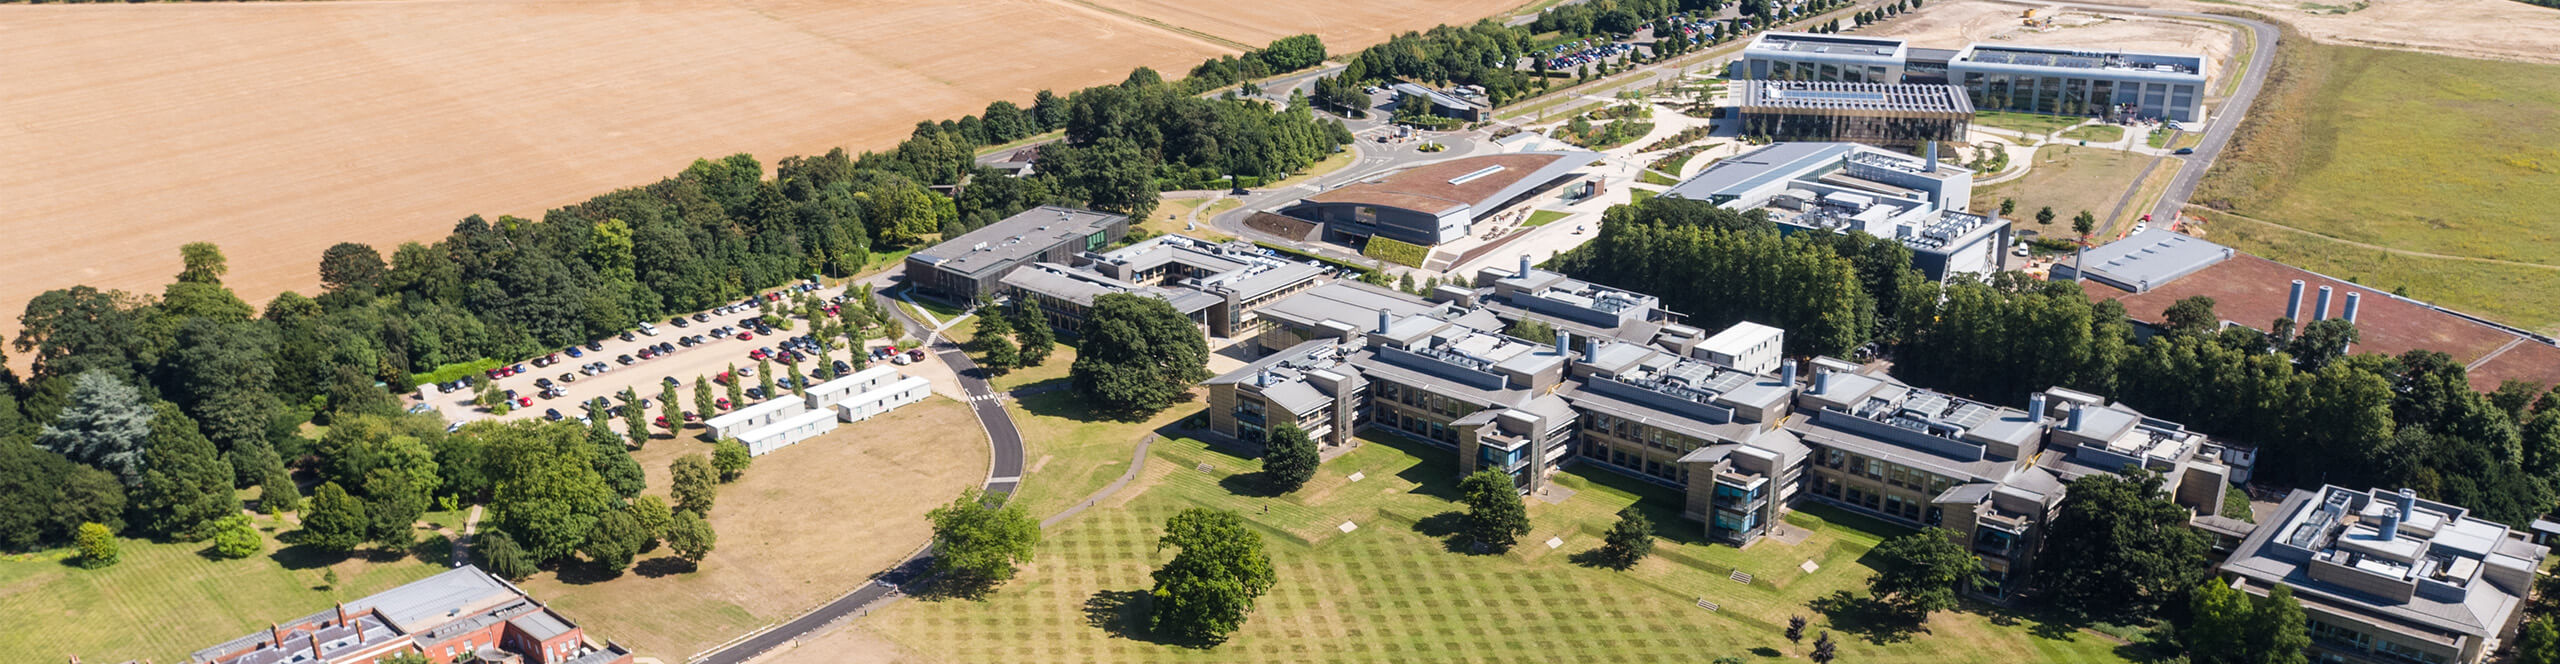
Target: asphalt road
{"points": [[2225, 120], [1003, 474]]}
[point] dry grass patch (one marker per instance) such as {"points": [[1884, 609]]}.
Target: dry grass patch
{"points": [[808, 523]]}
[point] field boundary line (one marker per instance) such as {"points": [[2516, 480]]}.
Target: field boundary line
{"points": [[1161, 25], [2376, 247]]}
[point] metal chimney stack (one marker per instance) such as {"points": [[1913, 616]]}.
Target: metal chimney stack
{"points": [[2035, 405], [1821, 381], [2076, 413], [1787, 373], [1933, 159], [2351, 305], [2293, 303], [1564, 343], [1524, 267], [2408, 502], [2390, 523], [2322, 312], [1383, 320]]}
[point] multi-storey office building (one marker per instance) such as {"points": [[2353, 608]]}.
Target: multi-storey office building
{"points": [[967, 268], [1798, 56], [2387, 578], [1221, 286], [1645, 395], [2061, 81], [1873, 113], [1844, 187], [1995, 77]]}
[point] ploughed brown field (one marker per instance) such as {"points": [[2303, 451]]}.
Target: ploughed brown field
{"points": [[277, 129]]}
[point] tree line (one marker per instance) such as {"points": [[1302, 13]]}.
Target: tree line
{"points": [[2316, 412], [196, 363]]}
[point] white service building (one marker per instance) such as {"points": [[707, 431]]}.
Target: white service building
{"points": [[753, 417], [1747, 346], [787, 431], [829, 393], [883, 399]]}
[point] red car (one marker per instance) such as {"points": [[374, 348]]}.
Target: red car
{"points": [[746, 336], [723, 378], [524, 402], [662, 420], [756, 354], [723, 403]]}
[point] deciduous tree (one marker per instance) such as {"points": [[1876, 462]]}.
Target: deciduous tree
{"points": [[730, 458], [2118, 549], [335, 522], [98, 547], [1495, 517], [981, 540], [1629, 540], [1289, 458], [1923, 572], [1205, 592], [235, 538], [694, 484], [690, 537], [1138, 356]]}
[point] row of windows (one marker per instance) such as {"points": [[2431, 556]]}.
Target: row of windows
{"points": [[2076, 96], [1913, 510], [1425, 400], [1779, 70], [1651, 436], [1892, 474], [1417, 427], [2339, 637]]}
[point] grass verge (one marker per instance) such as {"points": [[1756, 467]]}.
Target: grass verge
{"points": [[1543, 217], [2031, 123]]}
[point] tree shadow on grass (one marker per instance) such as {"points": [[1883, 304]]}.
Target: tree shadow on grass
{"points": [[581, 572], [1450, 528], [1865, 617], [1255, 484], [434, 549], [663, 566], [1123, 614], [1598, 558], [305, 556]]}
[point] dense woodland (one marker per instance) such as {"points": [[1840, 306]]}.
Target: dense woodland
{"points": [[2315, 412], [143, 412]]}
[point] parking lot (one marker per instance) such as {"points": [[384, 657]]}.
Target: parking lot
{"points": [[705, 360]]}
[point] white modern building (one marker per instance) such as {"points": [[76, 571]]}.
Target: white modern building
{"points": [[1843, 187], [1996, 77], [739, 421], [835, 391], [883, 399], [783, 433], [1747, 346]]}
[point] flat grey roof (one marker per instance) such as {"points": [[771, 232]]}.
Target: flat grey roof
{"points": [[1804, 42], [1437, 97], [2050, 58], [1773, 96], [1006, 243], [1352, 303], [458, 590], [2481, 612], [1751, 170], [2149, 259]]}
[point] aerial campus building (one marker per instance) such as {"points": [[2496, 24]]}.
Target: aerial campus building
{"points": [[2385, 577], [967, 268], [1462, 104], [1632, 388], [1438, 202], [1875, 113], [1842, 187], [1995, 77], [460, 615], [785, 420], [1220, 286]]}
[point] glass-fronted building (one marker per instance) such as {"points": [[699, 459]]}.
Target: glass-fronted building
{"points": [[2061, 81]]}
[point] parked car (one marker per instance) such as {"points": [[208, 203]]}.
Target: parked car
{"points": [[746, 336], [646, 353], [542, 383], [671, 381], [755, 393], [625, 360], [2184, 151], [524, 402], [723, 403], [552, 414], [843, 367], [689, 416], [756, 354], [567, 377], [664, 347], [702, 318], [651, 330], [574, 352], [679, 321], [595, 345]]}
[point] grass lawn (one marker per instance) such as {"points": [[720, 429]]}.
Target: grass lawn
{"points": [[2143, 198], [2412, 151], [1543, 217], [2031, 123], [2070, 179], [1170, 212], [1061, 357], [1330, 163], [795, 532], [162, 601], [1639, 196], [2099, 133], [1069, 452], [2520, 295], [1026, 140], [1650, 177], [1393, 590]]}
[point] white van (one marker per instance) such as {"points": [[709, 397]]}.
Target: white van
{"points": [[651, 330]]}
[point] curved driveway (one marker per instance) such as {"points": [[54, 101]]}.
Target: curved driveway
{"points": [[2225, 120], [1003, 474]]}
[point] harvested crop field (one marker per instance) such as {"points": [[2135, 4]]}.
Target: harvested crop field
{"points": [[277, 129], [2489, 29], [1345, 25]]}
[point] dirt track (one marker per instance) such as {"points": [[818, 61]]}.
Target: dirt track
{"points": [[277, 129], [1957, 23]]}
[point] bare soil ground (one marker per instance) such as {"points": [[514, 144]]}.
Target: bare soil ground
{"points": [[277, 129], [2486, 29], [1954, 24], [806, 524]]}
